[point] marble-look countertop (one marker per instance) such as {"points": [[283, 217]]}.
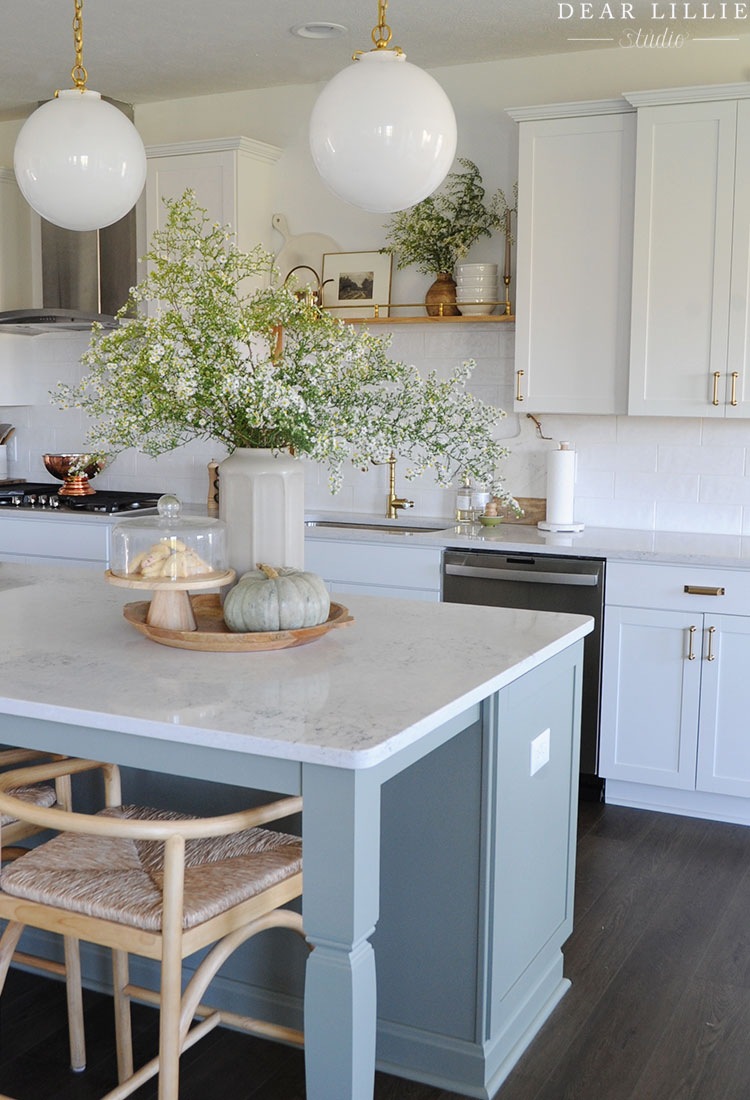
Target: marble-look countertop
{"points": [[615, 544], [349, 699]]}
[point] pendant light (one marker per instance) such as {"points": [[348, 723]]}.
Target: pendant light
{"points": [[383, 132], [79, 161]]}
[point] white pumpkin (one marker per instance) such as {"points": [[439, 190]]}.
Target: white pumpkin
{"points": [[276, 599]]}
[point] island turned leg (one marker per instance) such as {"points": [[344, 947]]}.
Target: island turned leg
{"points": [[341, 846]]}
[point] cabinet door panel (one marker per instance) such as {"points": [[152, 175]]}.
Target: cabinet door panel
{"points": [[574, 262], [739, 306], [650, 696], [685, 157], [724, 748]]}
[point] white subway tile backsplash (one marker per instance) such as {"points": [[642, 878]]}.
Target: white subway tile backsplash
{"points": [[724, 433], [578, 430], [725, 490], [727, 461], [677, 487], [595, 483], [617, 457], [459, 345], [614, 513], [664, 429], [714, 518]]}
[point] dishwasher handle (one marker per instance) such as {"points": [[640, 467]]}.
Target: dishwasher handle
{"points": [[532, 576]]}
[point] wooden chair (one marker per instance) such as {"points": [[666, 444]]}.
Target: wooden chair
{"points": [[47, 795], [159, 885]]}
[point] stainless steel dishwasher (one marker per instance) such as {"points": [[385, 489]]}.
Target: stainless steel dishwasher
{"points": [[541, 582]]}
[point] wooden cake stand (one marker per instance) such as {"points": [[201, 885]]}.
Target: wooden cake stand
{"points": [[170, 607]]}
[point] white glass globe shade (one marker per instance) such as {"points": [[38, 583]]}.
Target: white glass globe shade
{"points": [[79, 161], [383, 133]]}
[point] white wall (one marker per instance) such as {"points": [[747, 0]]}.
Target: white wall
{"points": [[633, 472]]}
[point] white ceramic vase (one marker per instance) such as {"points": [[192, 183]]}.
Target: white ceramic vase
{"points": [[262, 500]]}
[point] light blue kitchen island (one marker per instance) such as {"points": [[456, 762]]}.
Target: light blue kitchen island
{"points": [[436, 748]]}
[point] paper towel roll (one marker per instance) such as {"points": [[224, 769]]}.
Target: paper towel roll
{"points": [[561, 477]]}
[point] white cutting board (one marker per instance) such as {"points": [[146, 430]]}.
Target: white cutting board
{"points": [[305, 248]]}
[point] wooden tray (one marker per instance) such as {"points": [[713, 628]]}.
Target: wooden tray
{"points": [[213, 635]]}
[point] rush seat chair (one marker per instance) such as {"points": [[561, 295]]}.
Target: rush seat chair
{"points": [[157, 884]]}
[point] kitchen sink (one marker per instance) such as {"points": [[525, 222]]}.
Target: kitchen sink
{"points": [[387, 528]]}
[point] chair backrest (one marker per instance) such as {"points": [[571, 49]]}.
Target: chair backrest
{"points": [[128, 828]]}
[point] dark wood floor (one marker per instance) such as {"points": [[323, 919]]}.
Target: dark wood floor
{"points": [[659, 1009]]}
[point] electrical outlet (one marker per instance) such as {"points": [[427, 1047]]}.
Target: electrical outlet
{"points": [[539, 752]]}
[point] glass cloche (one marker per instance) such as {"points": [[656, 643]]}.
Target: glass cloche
{"points": [[168, 546]]}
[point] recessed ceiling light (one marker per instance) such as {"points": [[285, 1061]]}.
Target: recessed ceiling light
{"points": [[319, 30]]}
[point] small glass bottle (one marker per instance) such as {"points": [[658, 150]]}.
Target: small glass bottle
{"points": [[465, 502], [479, 501]]}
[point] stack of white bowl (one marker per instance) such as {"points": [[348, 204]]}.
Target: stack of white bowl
{"points": [[476, 284]]}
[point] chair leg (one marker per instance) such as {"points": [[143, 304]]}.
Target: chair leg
{"points": [[8, 944], [123, 1031], [171, 970], [75, 1004]]}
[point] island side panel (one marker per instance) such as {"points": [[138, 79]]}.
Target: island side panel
{"points": [[534, 812], [477, 887]]}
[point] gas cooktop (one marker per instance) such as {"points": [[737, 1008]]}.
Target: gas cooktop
{"points": [[44, 497]]}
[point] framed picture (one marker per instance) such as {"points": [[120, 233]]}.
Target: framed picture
{"points": [[355, 282]]}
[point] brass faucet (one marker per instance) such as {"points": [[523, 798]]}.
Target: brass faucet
{"points": [[394, 502]]}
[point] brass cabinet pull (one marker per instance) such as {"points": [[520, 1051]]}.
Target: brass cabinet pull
{"points": [[691, 652], [519, 376], [717, 376], [711, 656], [702, 590], [735, 376]]}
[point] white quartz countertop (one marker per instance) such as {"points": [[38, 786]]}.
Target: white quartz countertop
{"points": [[350, 699], [615, 544]]}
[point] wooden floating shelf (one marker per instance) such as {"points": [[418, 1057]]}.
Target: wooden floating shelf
{"points": [[473, 319]]}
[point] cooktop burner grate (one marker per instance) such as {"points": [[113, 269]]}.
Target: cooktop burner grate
{"points": [[44, 496]]}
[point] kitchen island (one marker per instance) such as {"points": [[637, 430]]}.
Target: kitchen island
{"points": [[436, 750]]}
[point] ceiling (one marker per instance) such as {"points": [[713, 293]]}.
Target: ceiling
{"points": [[145, 50]]}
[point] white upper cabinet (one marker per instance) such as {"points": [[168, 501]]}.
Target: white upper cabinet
{"points": [[231, 177], [689, 333], [576, 171]]}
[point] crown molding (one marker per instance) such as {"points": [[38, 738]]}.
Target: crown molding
{"points": [[570, 110], [700, 94], [258, 150]]}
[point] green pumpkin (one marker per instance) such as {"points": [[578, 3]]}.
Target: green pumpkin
{"points": [[276, 599]]}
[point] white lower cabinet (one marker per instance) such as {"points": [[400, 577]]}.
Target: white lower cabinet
{"points": [[376, 569], [54, 540], [724, 744], [676, 689], [650, 697]]}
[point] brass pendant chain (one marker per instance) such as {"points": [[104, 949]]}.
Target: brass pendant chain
{"points": [[79, 74], [381, 35]]}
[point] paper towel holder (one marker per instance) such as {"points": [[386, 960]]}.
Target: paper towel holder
{"points": [[567, 526]]}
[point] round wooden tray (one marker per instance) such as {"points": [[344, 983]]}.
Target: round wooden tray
{"points": [[213, 635]]}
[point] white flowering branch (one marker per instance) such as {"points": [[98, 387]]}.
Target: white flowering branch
{"points": [[210, 364]]}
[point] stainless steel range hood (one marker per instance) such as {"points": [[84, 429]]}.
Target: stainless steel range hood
{"points": [[85, 277]]}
